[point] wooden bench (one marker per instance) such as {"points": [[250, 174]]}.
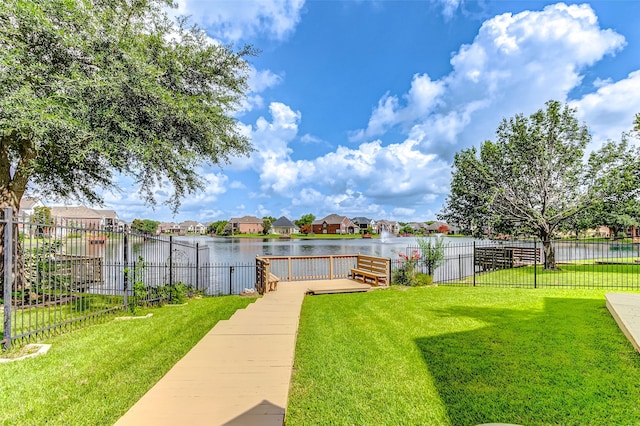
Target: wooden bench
{"points": [[371, 268], [494, 258], [272, 282]]}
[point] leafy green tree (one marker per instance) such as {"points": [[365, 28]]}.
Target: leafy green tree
{"points": [[43, 220], [92, 89], [145, 226], [89, 89], [306, 219], [533, 176], [217, 227], [431, 253], [266, 224]]}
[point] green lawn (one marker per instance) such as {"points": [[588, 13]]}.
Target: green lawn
{"points": [[463, 356], [585, 274], [93, 375]]}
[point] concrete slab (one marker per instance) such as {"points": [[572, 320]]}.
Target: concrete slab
{"points": [[625, 309]]}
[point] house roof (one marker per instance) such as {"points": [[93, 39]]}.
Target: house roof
{"points": [[361, 219], [283, 222], [81, 212], [245, 219], [191, 223], [434, 226], [332, 219], [28, 202]]}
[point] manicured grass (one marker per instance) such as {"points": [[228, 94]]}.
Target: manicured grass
{"points": [[463, 356], [93, 375], [580, 275]]}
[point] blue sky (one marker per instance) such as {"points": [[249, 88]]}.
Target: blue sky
{"points": [[357, 107]]}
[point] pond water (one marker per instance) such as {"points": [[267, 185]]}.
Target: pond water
{"points": [[242, 250]]}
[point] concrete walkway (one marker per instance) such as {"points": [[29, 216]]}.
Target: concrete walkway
{"points": [[625, 309], [239, 373]]}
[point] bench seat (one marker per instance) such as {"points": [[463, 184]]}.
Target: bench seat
{"points": [[376, 277], [272, 282]]}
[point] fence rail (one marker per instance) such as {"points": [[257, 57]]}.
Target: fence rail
{"points": [[55, 277], [579, 264]]}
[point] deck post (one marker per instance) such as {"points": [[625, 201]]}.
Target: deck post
{"points": [[330, 267]]}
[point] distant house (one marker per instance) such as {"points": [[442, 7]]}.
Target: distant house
{"points": [[192, 227], [168, 228], [85, 217], [284, 226], [27, 207], [334, 224], [391, 227], [437, 228], [417, 227], [245, 225], [364, 223]]}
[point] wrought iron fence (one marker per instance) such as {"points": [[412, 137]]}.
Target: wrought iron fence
{"points": [[578, 264], [58, 276]]}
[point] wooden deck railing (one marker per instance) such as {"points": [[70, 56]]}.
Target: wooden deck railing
{"points": [[303, 268]]}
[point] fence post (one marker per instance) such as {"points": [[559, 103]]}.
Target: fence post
{"points": [[170, 260], [125, 258], [197, 266], [7, 278], [474, 264], [231, 268], [535, 263]]}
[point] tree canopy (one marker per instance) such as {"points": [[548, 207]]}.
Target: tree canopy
{"points": [[94, 88], [535, 177], [145, 226]]}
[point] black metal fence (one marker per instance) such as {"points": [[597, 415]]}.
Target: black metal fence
{"points": [[57, 276], [578, 264]]}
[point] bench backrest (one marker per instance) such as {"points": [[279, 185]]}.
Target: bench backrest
{"points": [[378, 265]]}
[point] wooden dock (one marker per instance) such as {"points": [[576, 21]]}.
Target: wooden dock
{"points": [[239, 373]]}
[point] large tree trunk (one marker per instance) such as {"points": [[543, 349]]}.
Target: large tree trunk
{"points": [[549, 251]]}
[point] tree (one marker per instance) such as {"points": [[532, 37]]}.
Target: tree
{"points": [[266, 224], [145, 226], [431, 253], [306, 219], [443, 229], [217, 227], [89, 89], [533, 176]]}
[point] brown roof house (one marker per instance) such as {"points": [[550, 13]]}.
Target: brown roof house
{"points": [[85, 217], [245, 225], [334, 224], [168, 228]]}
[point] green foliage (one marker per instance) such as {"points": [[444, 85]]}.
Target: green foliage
{"points": [[89, 89], [532, 177], [431, 253], [266, 224], [405, 274], [136, 280], [39, 270], [306, 219], [217, 227], [145, 226]]}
